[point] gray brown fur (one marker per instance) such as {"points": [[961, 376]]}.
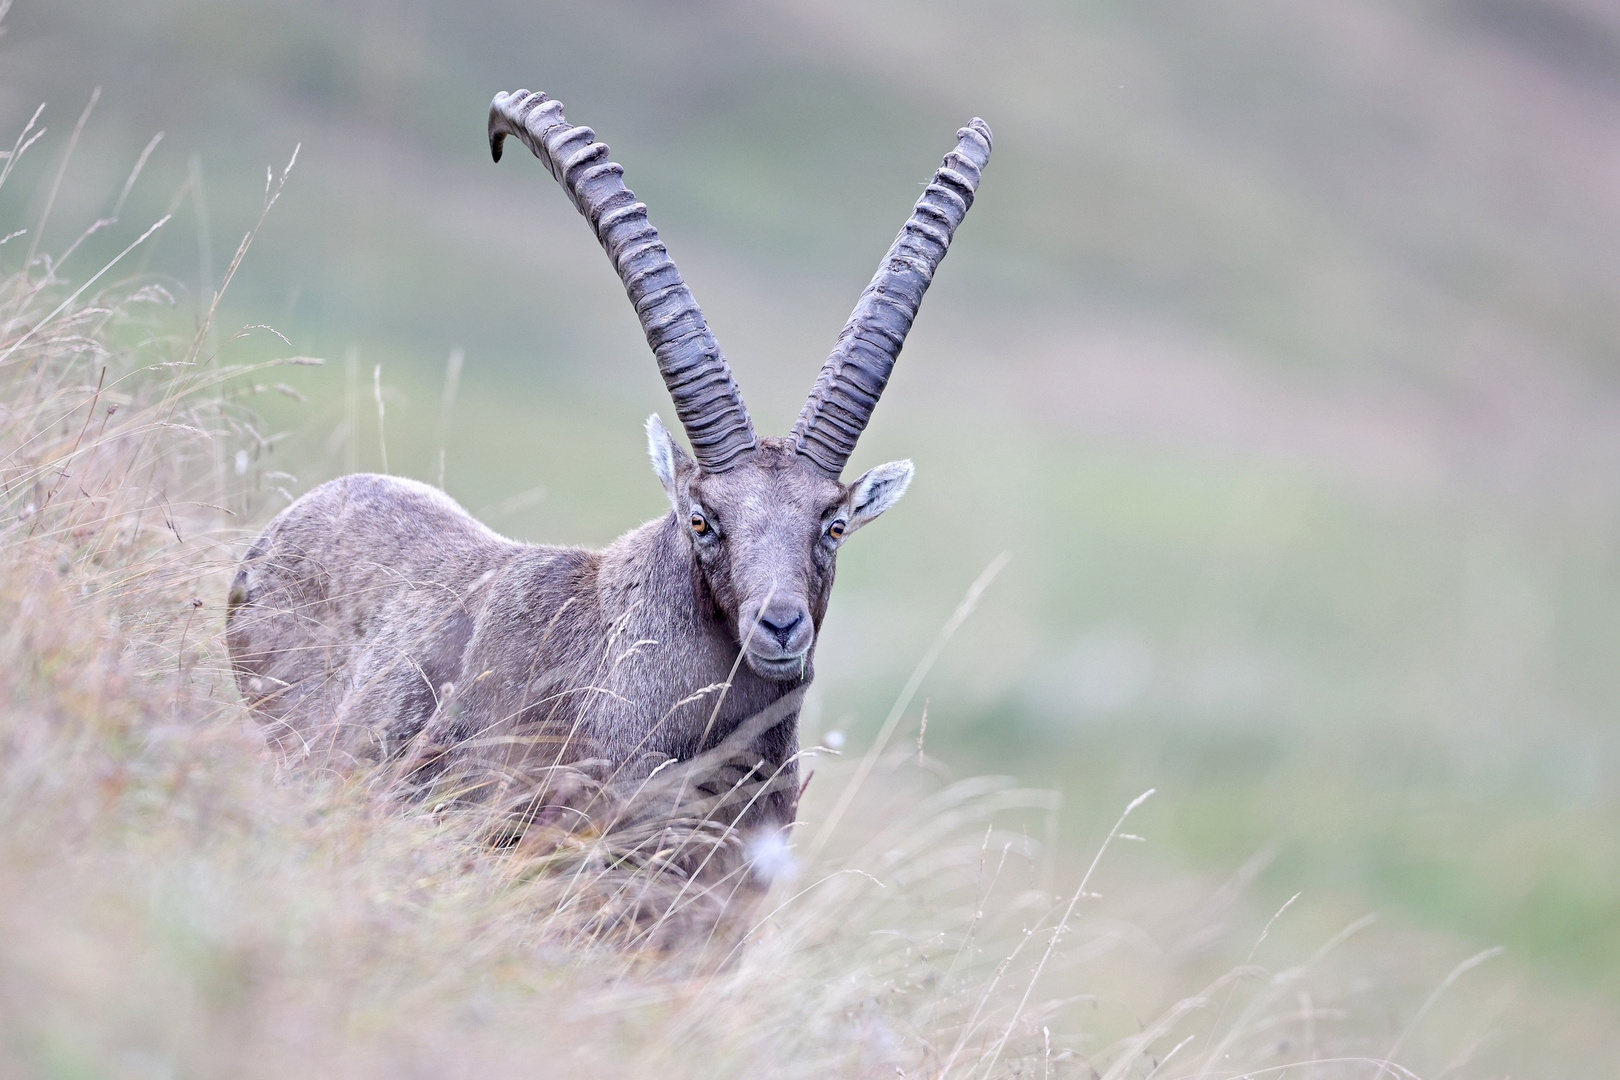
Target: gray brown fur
{"points": [[377, 621], [375, 618]]}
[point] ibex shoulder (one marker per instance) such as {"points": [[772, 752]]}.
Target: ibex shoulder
{"points": [[370, 502]]}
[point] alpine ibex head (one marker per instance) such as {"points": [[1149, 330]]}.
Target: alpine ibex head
{"points": [[766, 534], [764, 516]]}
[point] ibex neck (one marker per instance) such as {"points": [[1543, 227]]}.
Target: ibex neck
{"points": [[651, 569], [675, 656]]}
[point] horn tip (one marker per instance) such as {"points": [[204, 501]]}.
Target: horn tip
{"points": [[498, 122], [507, 114]]}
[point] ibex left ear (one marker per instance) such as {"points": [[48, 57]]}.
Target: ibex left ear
{"points": [[876, 491], [668, 460]]}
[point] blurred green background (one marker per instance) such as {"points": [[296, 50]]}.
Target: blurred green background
{"points": [[1280, 351]]}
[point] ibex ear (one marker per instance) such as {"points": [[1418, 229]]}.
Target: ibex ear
{"points": [[668, 460], [878, 490]]}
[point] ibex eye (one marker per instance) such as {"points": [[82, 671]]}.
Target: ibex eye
{"points": [[700, 524], [836, 530]]}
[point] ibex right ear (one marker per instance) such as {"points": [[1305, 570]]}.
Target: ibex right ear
{"points": [[668, 460]]}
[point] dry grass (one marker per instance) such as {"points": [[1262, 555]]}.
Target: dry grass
{"points": [[176, 902]]}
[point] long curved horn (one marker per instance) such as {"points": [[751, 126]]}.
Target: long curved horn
{"points": [[853, 378], [699, 379]]}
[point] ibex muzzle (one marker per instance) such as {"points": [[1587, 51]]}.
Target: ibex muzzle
{"points": [[375, 618]]}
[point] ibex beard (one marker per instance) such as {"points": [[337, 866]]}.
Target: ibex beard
{"points": [[659, 678]]}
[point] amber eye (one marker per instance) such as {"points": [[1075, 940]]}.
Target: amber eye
{"points": [[836, 530], [700, 524]]}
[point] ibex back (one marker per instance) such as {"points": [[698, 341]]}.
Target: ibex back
{"points": [[376, 619]]}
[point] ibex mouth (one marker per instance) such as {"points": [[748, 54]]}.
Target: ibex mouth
{"points": [[780, 668], [778, 639]]}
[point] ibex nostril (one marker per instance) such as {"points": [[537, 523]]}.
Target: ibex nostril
{"points": [[781, 624]]}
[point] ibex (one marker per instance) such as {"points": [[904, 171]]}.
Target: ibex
{"points": [[376, 618]]}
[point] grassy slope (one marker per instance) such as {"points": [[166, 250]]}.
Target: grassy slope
{"points": [[1376, 630], [176, 902]]}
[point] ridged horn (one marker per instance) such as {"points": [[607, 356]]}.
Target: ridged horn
{"points": [[706, 397], [853, 378]]}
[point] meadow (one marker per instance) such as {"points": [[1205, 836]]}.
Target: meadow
{"points": [[1277, 356], [179, 901]]}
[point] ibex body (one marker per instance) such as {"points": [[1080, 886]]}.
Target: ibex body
{"points": [[375, 618]]}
